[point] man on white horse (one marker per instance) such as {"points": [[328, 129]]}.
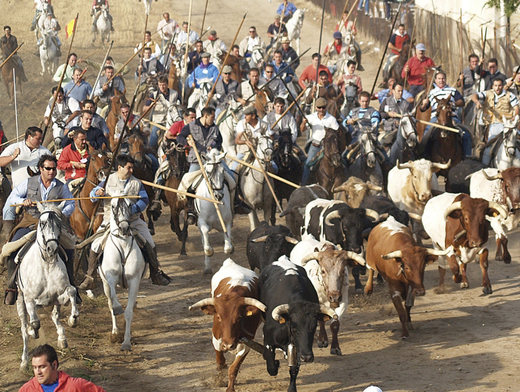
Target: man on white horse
{"points": [[36, 189], [276, 30], [335, 51], [182, 38], [225, 90], [71, 66], [214, 45], [97, 8], [51, 26], [61, 114], [287, 8], [249, 43], [123, 182], [8, 44], [346, 27], [167, 29], [204, 71], [41, 6], [289, 54]]}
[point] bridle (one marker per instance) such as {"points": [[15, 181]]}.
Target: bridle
{"points": [[55, 225]]}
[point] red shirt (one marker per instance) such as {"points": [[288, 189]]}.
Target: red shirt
{"points": [[71, 153], [309, 73], [176, 128], [66, 384], [398, 41], [417, 70]]}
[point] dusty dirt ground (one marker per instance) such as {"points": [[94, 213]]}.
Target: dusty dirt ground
{"points": [[462, 341]]}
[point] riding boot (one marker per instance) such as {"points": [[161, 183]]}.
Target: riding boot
{"points": [[11, 293], [69, 264], [157, 276], [57, 144], [7, 228], [240, 207], [155, 208], [358, 60], [192, 215], [92, 259]]}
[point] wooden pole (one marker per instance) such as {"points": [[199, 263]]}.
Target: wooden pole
{"points": [[12, 140], [264, 173], [386, 48], [225, 59], [142, 51], [156, 125], [62, 75], [81, 198], [268, 173], [288, 108], [461, 54], [319, 42], [208, 184], [410, 50], [101, 69], [186, 54], [11, 55], [454, 130], [203, 20], [165, 188], [16, 108], [80, 77], [122, 67]]}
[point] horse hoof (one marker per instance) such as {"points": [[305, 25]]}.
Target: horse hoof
{"points": [[207, 271], [323, 343], [335, 351], [229, 251], [507, 259], [126, 347], [117, 311], [62, 344], [114, 338], [487, 290], [73, 321], [24, 366], [464, 285], [209, 252], [35, 325], [90, 294], [360, 290]]}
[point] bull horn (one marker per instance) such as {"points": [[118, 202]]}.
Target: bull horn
{"points": [[201, 303], [453, 207], [393, 255], [415, 216], [497, 176], [309, 257], [332, 215], [442, 166], [256, 303], [372, 214], [384, 216], [279, 310], [285, 212], [357, 258], [340, 188], [260, 239], [438, 252], [374, 187], [328, 311], [402, 166], [501, 210], [291, 240], [353, 151]]}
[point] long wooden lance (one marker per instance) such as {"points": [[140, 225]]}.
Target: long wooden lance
{"points": [[168, 189], [186, 54], [101, 69], [204, 18], [75, 84], [11, 55]]}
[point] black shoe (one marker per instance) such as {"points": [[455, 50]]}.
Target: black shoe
{"points": [[241, 208], [160, 279], [192, 218], [360, 68], [10, 296], [155, 209]]}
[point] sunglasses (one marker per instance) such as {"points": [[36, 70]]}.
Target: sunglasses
{"points": [[320, 107], [50, 168], [268, 71], [252, 31]]}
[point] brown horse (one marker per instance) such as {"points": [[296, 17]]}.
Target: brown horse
{"points": [[7, 75], [176, 156], [446, 145], [98, 165], [113, 115], [234, 63], [397, 68], [142, 169], [330, 171], [426, 115]]}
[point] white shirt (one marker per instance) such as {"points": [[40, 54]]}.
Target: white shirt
{"points": [[252, 42], [49, 25], [25, 159], [71, 103], [292, 125], [167, 29], [318, 126], [156, 50], [183, 36], [256, 131]]}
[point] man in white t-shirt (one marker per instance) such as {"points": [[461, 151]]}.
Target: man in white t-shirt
{"points": [[20, 157], [319, 120], [167, 28]]}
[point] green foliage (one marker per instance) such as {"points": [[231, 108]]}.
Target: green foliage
{"points": [[510, 6]]}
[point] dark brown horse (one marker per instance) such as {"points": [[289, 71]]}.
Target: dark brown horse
{"points": [[397, 68], [176, 156], [236, 73], [98, 164], [113, 115], [426, 115], [7, 75], [446, 145], [142, 169], [330, 171]]}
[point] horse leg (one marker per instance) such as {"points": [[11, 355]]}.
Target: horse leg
{"points": [[133, 288], [228, 245], [74, 311], [151, 226], [208, 250], [22, 313], [109, 287], [62, 340], [253, 219], [34, 321]]}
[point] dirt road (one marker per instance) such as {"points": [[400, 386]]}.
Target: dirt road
{"points": [[462, 341]]}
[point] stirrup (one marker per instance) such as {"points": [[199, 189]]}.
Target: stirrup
{"points": [[11, 295]]}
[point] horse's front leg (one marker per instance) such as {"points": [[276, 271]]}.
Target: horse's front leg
{"points": [[34, 321], [22, 313], [151, 226], [74, 311], [62, 340], [208, 250], [109, 287], [228, 244], [133, 288]]}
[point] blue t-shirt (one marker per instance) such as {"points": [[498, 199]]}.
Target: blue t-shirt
{"points": [[50, 387]]}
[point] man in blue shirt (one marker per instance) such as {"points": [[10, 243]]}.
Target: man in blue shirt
{"points": [[77, 88], [204, 73], [289, 10]]}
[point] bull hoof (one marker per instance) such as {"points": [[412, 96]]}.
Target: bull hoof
{"points": [[323, 343], [62, 344], [507, 259], [464, 285], [117, 310], [360, 290], [126, 347], [487, 290], [335, 351]]}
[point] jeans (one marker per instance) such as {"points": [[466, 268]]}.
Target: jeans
{"points": [[367, 4], [313, 151], [155, 162], [154, 136], [9, 213], [415, 89], [193, 167]]}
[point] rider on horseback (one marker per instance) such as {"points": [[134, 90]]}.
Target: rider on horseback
{"points": [[364, 115], [495, 104], [51, 27], [124, 183], [346, 27], [105, 90], [396, 43], [61, 115], [41, 7], [97, 8], [8, 44], [203, 72]]}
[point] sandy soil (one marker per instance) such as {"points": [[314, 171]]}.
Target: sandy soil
{"points": [[462, 341]]}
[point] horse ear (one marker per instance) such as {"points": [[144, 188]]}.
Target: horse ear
{"points": [[62, 205], [40, 207], [412, 113]]}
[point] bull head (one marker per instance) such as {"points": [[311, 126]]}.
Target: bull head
{"points": [[207, 305], [455, 206], [281, 311], [287, 238], [349, 255]]}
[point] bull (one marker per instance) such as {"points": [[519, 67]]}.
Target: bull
{"points": [[354, 190]]}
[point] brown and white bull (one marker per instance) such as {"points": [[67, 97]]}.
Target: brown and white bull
{"points": [[458, 223], [354, 190], [393, 252], [502, 187], [236, 313]]}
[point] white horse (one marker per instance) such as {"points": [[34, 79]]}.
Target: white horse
{"points": [[43, 280], [257, 58], [227, 128], [103, 26], [208, 218], [199, 96], [48, 54], [253, 185], [294, 27], [507, 154], [123, 264], [41, 18]]}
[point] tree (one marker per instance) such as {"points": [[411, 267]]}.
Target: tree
{"points": [[510, 6]]}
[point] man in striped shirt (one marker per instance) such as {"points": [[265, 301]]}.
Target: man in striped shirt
{"points": [[441, 91], [364, 116]]}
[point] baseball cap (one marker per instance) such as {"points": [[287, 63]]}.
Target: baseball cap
{"points": [[321, 102], [205, 54], [420, 47], [227, 69], [337, 35]]}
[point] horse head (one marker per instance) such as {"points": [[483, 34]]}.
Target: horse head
{"points": [[136, 148], [98, 165], [408, 129], [257, 57], [331, 147], [264, 148], [284, 150], [121, 213], [350, 92], [116, 101], [176, 155], [444, 114], [510, 136], [367, 144], [215, 172], [49, 229]]}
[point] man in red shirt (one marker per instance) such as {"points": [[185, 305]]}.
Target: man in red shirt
{"points": [[47, 377], [416, 67], [309, 73], [396, 43], [74, 157]]}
